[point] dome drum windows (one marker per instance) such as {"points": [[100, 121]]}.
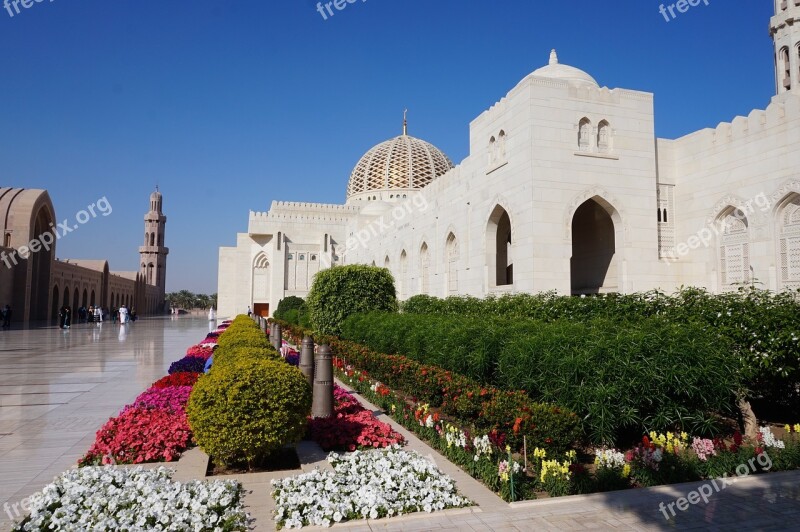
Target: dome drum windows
{"points": [[595, 142]]}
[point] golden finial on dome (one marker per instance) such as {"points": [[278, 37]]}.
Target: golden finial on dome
{"points": [[405, 122]]}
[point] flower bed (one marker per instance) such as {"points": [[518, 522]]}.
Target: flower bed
{"points": [[110, 499], [189, 364], [172, 399], [200, 350], [364, 485], [138, 435], [351, 427], [182, 378]]}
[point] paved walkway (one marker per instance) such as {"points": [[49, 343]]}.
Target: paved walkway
{"points": [[58, 387]]}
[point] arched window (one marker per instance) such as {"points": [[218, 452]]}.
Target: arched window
{"points": [[584, 134], [403, 274], [786, 68], [603, 136], [499, 248], [152, 239], [734, 249], [386, 263], [146, 238], [789, 242], [451, 248], [425, 268], [501, 146]]}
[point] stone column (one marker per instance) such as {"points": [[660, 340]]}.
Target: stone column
{"points": [[322, 405], [277, 340], [307, 359]]}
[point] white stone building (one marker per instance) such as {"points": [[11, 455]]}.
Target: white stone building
{"points": [[565, 188]]}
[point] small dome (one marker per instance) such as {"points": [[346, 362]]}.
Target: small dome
{"points": [[156, 195], [555, 70], [403, 163]]}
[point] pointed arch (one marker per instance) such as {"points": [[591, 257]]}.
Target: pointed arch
{"points": [[594, 261], [787, 230], [424, 268], [584, 134], [261, 279], [403, 280], [733, 230], [499, 246], [451, 260]]}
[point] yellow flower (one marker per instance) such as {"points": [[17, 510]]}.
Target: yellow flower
{"points": [[508, 448], [670, 436], [787, 428], [626, 471], [797, 428], [684, 436]]}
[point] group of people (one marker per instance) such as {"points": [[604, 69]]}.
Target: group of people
{"points": [[92, 314], [95, 315], [6, 315]]}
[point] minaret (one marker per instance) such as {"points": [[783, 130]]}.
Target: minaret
{"points": [[784, 28], [153, 254]]}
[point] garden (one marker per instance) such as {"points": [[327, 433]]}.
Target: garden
{"points": [[246, 406], [540, 395]]}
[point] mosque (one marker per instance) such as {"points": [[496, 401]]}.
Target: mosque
{"points": [[566, 188], [36, 284]]}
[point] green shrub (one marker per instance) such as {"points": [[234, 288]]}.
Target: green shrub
{"points": [[345, 290], [248, 410], [228, 356], [243, 338], [290, 308], [648, 374]]}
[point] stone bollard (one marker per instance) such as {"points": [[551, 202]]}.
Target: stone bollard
{"points": [[322, 405], [307, 359], [277, 340]]}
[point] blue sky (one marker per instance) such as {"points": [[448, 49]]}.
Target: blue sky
{"points": [[230, 104]]}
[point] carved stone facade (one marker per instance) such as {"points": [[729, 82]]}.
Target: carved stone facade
{"points": [[565, 188]]}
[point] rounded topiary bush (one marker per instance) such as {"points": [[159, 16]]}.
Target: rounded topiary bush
{"points": [[341, 291], [248, 410], [228, 356], [243, 338]]}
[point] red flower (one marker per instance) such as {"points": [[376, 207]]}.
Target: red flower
{"points": [[517, 423]]}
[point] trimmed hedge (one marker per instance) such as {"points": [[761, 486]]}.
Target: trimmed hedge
{"points": [[646, 375], [471, 403], [229, 356], [341, 291], [761, 326], [248, 410]]}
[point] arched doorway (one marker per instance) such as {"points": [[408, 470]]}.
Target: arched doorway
{"points": [[498, 248], [54, 307], [75, 300], [401, 289], [41, 262], [593, 266]]}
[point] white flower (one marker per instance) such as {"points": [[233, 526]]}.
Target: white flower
{"points": [[364, 484]]}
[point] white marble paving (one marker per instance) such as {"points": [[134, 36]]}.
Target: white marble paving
{"points": [[57, 388]]}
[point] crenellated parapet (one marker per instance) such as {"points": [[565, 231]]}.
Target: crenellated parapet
{"points": [[782, 112]]}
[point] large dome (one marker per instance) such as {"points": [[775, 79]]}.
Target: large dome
{"points": [[403, 163]]}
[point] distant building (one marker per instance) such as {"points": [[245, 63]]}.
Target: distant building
{"points": [[37, 284], [566, 188]]}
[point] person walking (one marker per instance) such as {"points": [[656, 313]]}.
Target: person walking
{"points": [[67, 317], [98, 315], [7, 317], [249, 312], [114, 315]]}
